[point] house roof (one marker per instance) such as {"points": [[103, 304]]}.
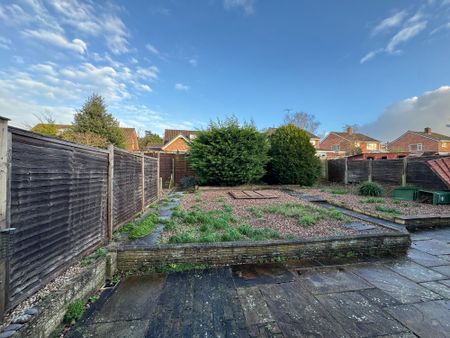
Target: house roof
{"points": [[434, 136], [170, 134], [355, 137], [270, 131]]}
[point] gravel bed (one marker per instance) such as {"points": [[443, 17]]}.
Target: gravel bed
{"points": [[352, 199], [57, 284], [213, 200]]}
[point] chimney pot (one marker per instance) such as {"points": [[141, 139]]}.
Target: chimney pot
{"points": [[350, 130], [428, 130]]}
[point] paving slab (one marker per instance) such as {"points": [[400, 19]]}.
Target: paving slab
{"points": [[331, 280], [250, 275], [445, 270], [358, 316], [432, 246], [358, 226], [395, 285], [379, 298], [298, 313], [439, 288], [415, 272], [116, 329], [425, 259], [429, 319], [445, 282], [254, 306]]}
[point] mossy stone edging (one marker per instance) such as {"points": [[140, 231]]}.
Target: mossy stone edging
{"points": [[51, 309], [136, 257]]}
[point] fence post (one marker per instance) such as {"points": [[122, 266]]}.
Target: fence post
{"points": [[370, 170], [158, 183], [5, 217], [346, 171], [143, 180], [405, 167], [110, 227]]}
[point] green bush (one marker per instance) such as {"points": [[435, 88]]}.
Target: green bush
{"points": [[293, 158], [229, 154], [370, 189], [74, 311], [188, 183]]}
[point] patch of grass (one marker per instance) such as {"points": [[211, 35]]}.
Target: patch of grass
{"points": [[74, 311], [93, 298], [306, 215], [258, 234], [373, 200], [88, 260], [337, 191], [231, 234], [183, 237], [143, 227], [387, 210]]}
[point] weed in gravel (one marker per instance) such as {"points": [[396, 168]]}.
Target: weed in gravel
{"points": [[183, 237], [258, 234], [177, 267], [88, 260], [143, 227], [337, 191], [373, 200]]}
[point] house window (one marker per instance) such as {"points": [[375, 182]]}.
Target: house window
{"points": [[444, 144], [192, 136], [384, 157], [415, 147], [313, 142], [371, 146], [335, 147]]}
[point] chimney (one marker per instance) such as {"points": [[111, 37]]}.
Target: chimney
{"points": [[350, 130], [427, 130]]}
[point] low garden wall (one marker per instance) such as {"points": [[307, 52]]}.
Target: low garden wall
{"points": [[131, 258]]}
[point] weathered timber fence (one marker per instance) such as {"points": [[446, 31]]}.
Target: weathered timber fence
{"points": [[408, 170], [173, 167], [60, 200]]}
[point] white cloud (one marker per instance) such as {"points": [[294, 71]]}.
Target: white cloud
{"points": [[181, 87], [56, 39], [371, 55], [246, 5], [390, 22], [152, 49], [405, 34], [5, 43], [431, 109]]}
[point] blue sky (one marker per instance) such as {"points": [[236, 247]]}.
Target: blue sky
{"points": [[384, 65]]}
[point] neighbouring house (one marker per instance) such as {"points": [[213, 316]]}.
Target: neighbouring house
{"points": [[177, 141], [425, 141], [379, 156], [131, 136], [315, 140], [349, 142]]}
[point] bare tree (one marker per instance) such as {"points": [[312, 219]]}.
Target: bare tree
{"points": [[302, 120]]}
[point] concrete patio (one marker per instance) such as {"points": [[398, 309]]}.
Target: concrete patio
{"points": [[390, 298]]}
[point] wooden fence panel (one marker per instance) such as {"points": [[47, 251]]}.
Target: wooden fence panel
{"points": [[58, 207], [387, 171], [151, 179], [127, 187], [418, 173], [358, 171], [336, 170]]}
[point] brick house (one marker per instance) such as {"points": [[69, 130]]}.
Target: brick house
{"points": [[315, 140], [349, 142], [177, 140], [422, 141]]}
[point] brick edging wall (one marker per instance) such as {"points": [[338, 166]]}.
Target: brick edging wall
{"points": [[226, 253]]}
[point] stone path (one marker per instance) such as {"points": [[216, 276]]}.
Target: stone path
{"points": [[392, 298]]}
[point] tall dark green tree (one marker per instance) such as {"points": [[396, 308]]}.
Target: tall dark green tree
{"points": [[227, 153], [94, 118], [293, 158]]}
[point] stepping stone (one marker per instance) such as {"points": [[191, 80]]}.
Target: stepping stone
{"points": [[415, 272], [358, 226], [430, 319], [358, 316], [395, 285], [331, 280]]}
